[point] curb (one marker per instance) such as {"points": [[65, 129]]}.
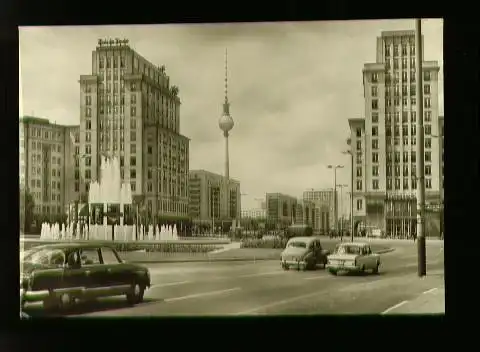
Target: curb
{"points": [[206, 260], [209, 259], [387, 250]]}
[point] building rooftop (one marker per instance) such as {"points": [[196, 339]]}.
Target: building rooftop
{"points": [[401, 33], [201, 171], [41, 121]]}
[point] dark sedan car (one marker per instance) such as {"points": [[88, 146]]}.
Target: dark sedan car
{"points": [[60, 274]]}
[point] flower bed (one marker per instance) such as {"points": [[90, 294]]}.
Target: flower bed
{"points": [[264, 243], [165, 247]]}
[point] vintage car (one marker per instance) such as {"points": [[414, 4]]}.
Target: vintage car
{"points": [[353, 257], [303, 253], [60, 274]]}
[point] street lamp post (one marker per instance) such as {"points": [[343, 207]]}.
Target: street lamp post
{"points": [[422, 267], [341, 205], [350, 151], [335, 193]]}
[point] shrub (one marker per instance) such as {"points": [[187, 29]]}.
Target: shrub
{"points": [[264, 243]]}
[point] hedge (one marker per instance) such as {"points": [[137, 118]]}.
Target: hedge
{"points": [[166, 247], [265, 243]]}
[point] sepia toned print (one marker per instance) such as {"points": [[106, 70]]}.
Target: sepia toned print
{"points": [[232, 169]]}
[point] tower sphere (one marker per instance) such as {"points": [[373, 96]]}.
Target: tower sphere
{"points": [[225, 123]]}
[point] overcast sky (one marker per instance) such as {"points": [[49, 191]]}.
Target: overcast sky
{"points": [[292, 87]]}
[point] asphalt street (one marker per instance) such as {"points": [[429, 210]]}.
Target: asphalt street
{"points": [[263, 288]]}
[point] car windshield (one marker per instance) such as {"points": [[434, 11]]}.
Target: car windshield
{"points": [[297, 244], [43, 256], [342, 249]]}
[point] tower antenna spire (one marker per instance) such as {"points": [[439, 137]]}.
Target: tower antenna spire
{"points": [[226, 105]]}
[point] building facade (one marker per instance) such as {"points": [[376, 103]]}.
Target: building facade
{"points": [[130, 110], [254, 214], [383, 144], [206, 191], [46, 166], [281, 209], [305, 213], [324, 206]]}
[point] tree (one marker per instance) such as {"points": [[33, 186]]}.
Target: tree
{"points": [[27, 206]]}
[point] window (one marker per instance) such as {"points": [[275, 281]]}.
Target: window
{"points": [[405, 170], [397, 170], [375, 184], [428, 156], [413, 101], [397, 183], [374, 104], [404, 50], [374, 91], [88, 124], [133, 148], [428, 129], [405, 157], [426, 89], [413, 116], [427, 103], [133, 174], [387, 50], [375, 144], [359, 185], [88, 174], [389, 183], [414, 130], [388, 102], [374, 77], [428, 116], [389, 157], [412, 62], [395, 64], [359, 145], [404, 61], [359, 132], [359, 204], [426, 76], [405, 140], [428, 170], [89, 257], [133, 161], [412, 77], [149, 149], [359, 158], [413, 158], [414, 183], [359, 172], [133, 111], [375, 157], [404, 101], [395, 50], [405, 130], [88, 161], [375, 170], [88, 112], [375, 117], [388, 118], [412, 49], [405, 183], [396, 131], [396, 117], [397, 157], [88, 149], [109, 257], [404, 76], [133, 136], [428, 143], [428, 183]]}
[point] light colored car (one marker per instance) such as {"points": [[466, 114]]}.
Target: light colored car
{"points": [[303, 253], [353, 257]]}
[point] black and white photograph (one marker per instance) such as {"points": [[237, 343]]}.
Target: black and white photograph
{"points": [[232, 169]]}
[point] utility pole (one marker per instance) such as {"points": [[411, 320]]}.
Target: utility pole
{"points": [[335, 220], [350, 151], [422, 265]]}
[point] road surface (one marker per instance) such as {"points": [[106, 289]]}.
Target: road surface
{"points": [[263, 288]]}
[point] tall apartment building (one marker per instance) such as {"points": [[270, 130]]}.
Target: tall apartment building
{"points": [[206, 193], [441, 146], [281, 209], [324, 205], [384, 142], [46, 166], [130, 110]]}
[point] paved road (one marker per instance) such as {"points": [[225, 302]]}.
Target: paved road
{"points": [[247, 288]]}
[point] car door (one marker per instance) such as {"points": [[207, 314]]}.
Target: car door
{"points": [[371, 258], [118, 276], [73, 281], [317, 251], [95, 280]]}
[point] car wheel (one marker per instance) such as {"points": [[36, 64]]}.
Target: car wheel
{"points": [[135, 295], [376, 269]]}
